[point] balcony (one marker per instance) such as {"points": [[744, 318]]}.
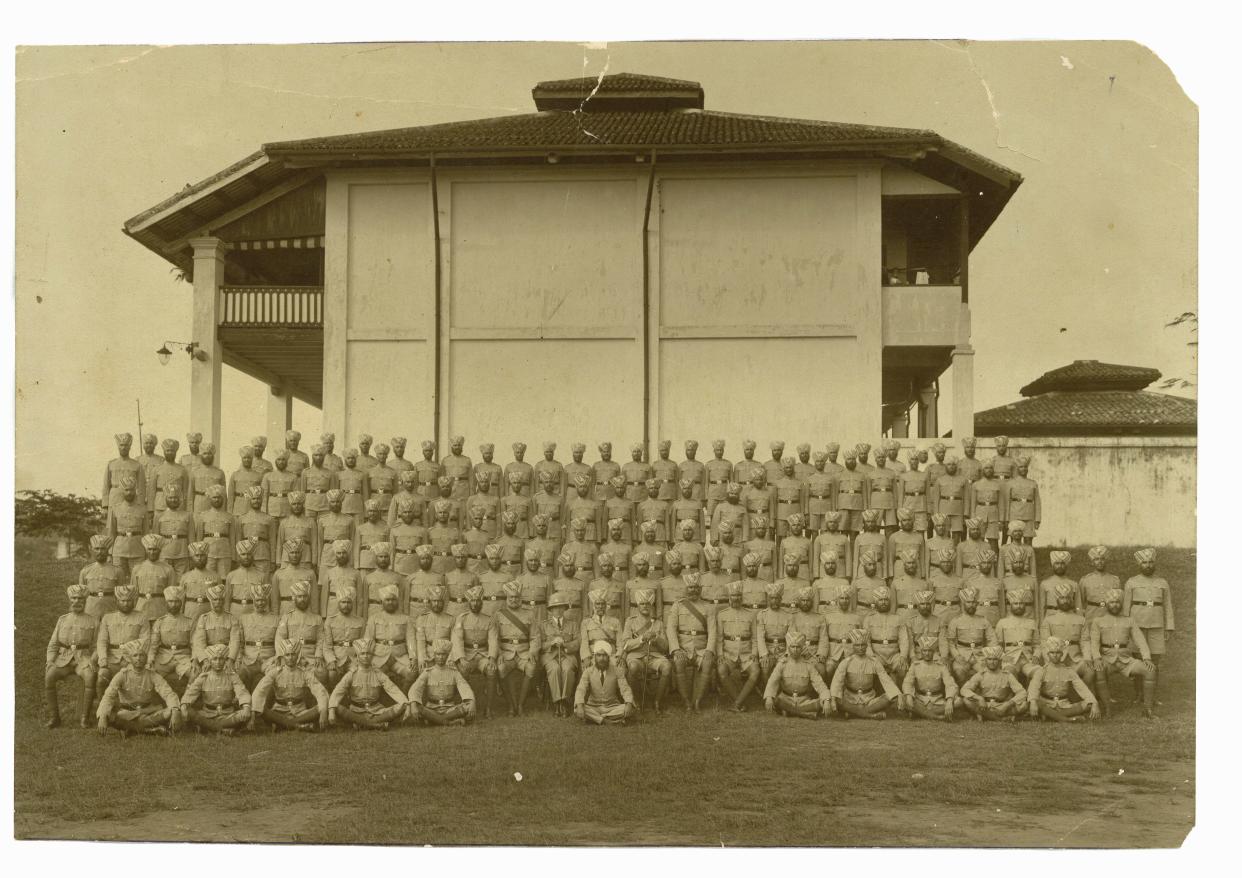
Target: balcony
{"points": [[921, 316], [289, 307]]}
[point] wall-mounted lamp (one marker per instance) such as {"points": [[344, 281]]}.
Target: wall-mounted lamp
{"points": [[191, 348]]}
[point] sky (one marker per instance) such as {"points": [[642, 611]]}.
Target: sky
{"points": [[1091, 258]]}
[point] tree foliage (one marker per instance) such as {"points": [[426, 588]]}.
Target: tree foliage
{"points": [[1189, 319], [46, 513]]}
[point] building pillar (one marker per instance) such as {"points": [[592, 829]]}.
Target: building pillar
{"points": [[205, 372], [928, 396], [901, 425], [279, 415], [963, 391]]}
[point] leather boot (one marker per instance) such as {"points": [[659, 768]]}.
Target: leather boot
{"points": [[53, 707], [1149, 697], [525, 691], [700, 686]]}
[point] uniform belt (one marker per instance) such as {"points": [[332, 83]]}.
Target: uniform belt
{"points": [[103, 594], [389, 642], [843, 491], [316, 491], [351, 490], [946, 603], [1095, 603], [773, 639], [149, 594], [970, 643], [762, 605], [718, 481], [216, 536], [928, 692], [1113, 645], [198, 493], [905, 606], [736, 637], [535, 602], [1147, 603], [406, 551], [363, 702], [130, 533], [260, 642], [690, 633], [985, 502], [820, 496], [988, 603], [380, 491], [278, 493], [476, 646], [440, 702], [514, 640], [1022, 643], [375, 601], [199, 600], [290, 702], [243, 601], [884, 642], [639, 482]]}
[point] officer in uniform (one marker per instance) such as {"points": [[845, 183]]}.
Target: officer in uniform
{"points": [[790, 497], [1048, 692], [421, 582], [331, 460], [441, 696], [298, 460], [553, 468], [693, 471], [759, 544], [341, 575], [340, 630], [381, 480], [890, 639], [547, 547], [576, 467], [409, 493], [1118, 645], [167, 474], [929, 689], [258, 636], [1047, 596], [966, 635], [832, 541], [492, 470], [947, 496], [317, 481], [1096, 584], [794, 681], [127, 523], [428, 471], [583, 552], [717, 473], [559, 635], [690, 624], [744, 469], [582, 505], [131, 701], [476, 645], [994, 693], [642, 647], [1016, 634], [260, 527], [970, 466], [217, 699], [356, 698], [636, 473], [1003, 464], [771, 624], [168, 653], [548, 503], [871, 540], [458, 466], [856, 679], [518, 505], [1022, 498], [365, 460], [520, 648], [259, 443], [653, 508], [525, 472], [818, 492], [736, 667], [396, 641], [277, 485], [850, 489], [333, 526], [912, 487], [1070, 627], [71, 652], [433, 625], [383, 575], [352, 483], [119, 469], [461, 578], [290, 687], [689, 551], [604, 620], [1149, 602], [399, 464]]}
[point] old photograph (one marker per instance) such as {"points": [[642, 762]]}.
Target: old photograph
{"points": [[745, 444]]}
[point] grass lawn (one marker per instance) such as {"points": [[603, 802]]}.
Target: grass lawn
{"points": [[715, 779]]}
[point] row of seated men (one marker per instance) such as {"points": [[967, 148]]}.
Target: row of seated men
{"points": [[670, 633], [660, 491]]}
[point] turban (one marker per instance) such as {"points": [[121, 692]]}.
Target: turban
{"points": [[297, 496], [794, 640], [244, 451], [577, 524], [518, 447], [457, 550], [457, 440], [819, 457], [615, 523], [424, 551], [78, 590], [218, 491], [399, 441], [565, 559], [734, 487], [791, 558], [850, 454], [214, 591], [724, 527], [973, 524], [364, 647], [127, 482], [152, 541], [672, 556], [282, 454], [122, 438], [342, 546], [530, 555], [335, 495], [711, 552], [327, 438], [293, 436], [749, 444], [843, 591], [969, 593], [285, 646], [945, 555], [833, 517], [246, 546], [858, 635], [833, 447], [642, 558], [938, 447], [1014, 553], [985, 556], [192, 438], [170, 445], [346, 593], [691, 578], [350, 454], [777, 445], [515, 478], [733, 588], [867, 555], [149, 438], [605, 446], [1063, 590], [1113, 594], [871, 516], [939, 520], [440, 644], [1018, 596], [172, 492], [992, 652], [908, 555], [751, 559], [513, 588], [1054, 643], [578, 447], [582, 480], [545, 477], [601, 646], [406, 504], [598, 596], [1097, 553], [474, 593], [1145, 556], [804, 593], [617, 483], [647, 527], [880, 592], [260, 591], [863, 448], [509, 516], [913, 454], [1059, 557], [381, 548], [692, 445], [301, 588], [928, 642], [904, 514], [651, 483], [644, 596], [484, 448], [718, 444], [968, 442], [604, 558], [256, 441], [391, 591], [687, 526], [442, 506], [795, 520], [197, 548], [217, 651], [254, 492], [759, 521], [131, 649], [1024, 460], [828, 557], [491, 551], [891, 444], [925, 596], [1017, 527], [804, 448], [294, 544], [444, 482], [774, 589], [549, 446]]}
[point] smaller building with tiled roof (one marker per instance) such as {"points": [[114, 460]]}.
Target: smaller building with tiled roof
{"points": [[1090, 398]]}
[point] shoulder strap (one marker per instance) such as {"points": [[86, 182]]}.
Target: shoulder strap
{"points": [[698, 614], [522, 626]]}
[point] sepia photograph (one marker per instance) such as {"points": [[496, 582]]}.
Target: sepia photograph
{"points": [[683, 444]]}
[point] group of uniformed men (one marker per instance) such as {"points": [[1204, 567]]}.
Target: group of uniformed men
{"points": [[318, 589]]}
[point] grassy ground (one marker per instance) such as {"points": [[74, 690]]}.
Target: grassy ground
{"points": [[716, 779]]}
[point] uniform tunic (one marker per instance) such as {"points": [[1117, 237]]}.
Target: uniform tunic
{"points": [[684, 509], [258, 643], [1023, 502], [882, 494], [494, 473], [898, 542], [904, 589], [556, 471], [560, 654], [991, 603], [427, 474], [440, 689], [659, 511], [665, 472], [117, 470], [375, 581], [839, 545], [290, 690], [352, 483], [169, 652], [132, 693], [857, 678], [330, 584], [333, 526], [491, 513], [520, 640], [929, 683], [819, 485], [1092, 589], [1004, 465], [655, 557], [127, 523], [535, 590], [967, 558], [988, 501], [117, 628], [635, 473], [458, 467], [476, 641], [1071, 628], [877, 544], [381, 485], [735, 634], [946, 589], [948, 497], [262, 528], [889, 640], [717, 473], [458, 581], [770, 629], [1149, 602], [652, 655], [850, 490], [736, 515], [994, 687], [930, 625], [864, 591], [102, 580], [151, 578], [1054, 684], [422, 515], [1046, 595], [339, 633], [766, 550], [73, 641], [428, 628], [1016, 636], [824, 592], [369, 533], [176, 526], [965, 635], [165, 476], [282, 586], [797, 687], [361, 689], [306, 629], [522, 507], [1118, 642], [240, 481], [692, 558], [302, 527], [595, 628], [694, 472], [317, 481], [212, 628], [418, 590], [196, 582], [691, 626]]}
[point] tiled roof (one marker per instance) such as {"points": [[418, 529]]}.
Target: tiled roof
{"points": [[1092, 375], [1092, 413], [615, 82], [551, 130]]}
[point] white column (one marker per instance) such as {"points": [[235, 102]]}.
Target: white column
{"points": [[963, 391], [205, 373], [901, 425], [928, 411], [279, 415], [335, 309]]}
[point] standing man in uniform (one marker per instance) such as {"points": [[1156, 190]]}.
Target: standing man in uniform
{"points": [[790, 497], [605, 469], [1022, 499], [298, 460], [167, 474], [118, 469], [262, 465], [987, 501], [381, 480], [525, 482], [744, 469], [693, 471], [970, 466], [476, 645], [948, 497], [1118, 646], [1097, 584], [576, 467], [352, 483], [317, 481], [1149, 602], [127, 524], [428, 471], [737, 668], [717, 473], [664, 471], [399, 464], [520, 647], [774, 466], [1003, 464], [912, 487], [690, 625], [636, 472], [365, 459], [492, 471], [850, 489], [553, 468], [71, 652], [331, 460], [818, 493]]}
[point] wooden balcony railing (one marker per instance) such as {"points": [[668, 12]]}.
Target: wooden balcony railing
{"points": [[288, 306]]}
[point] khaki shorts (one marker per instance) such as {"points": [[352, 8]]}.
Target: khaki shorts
{"points": [[1155, 640]]}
